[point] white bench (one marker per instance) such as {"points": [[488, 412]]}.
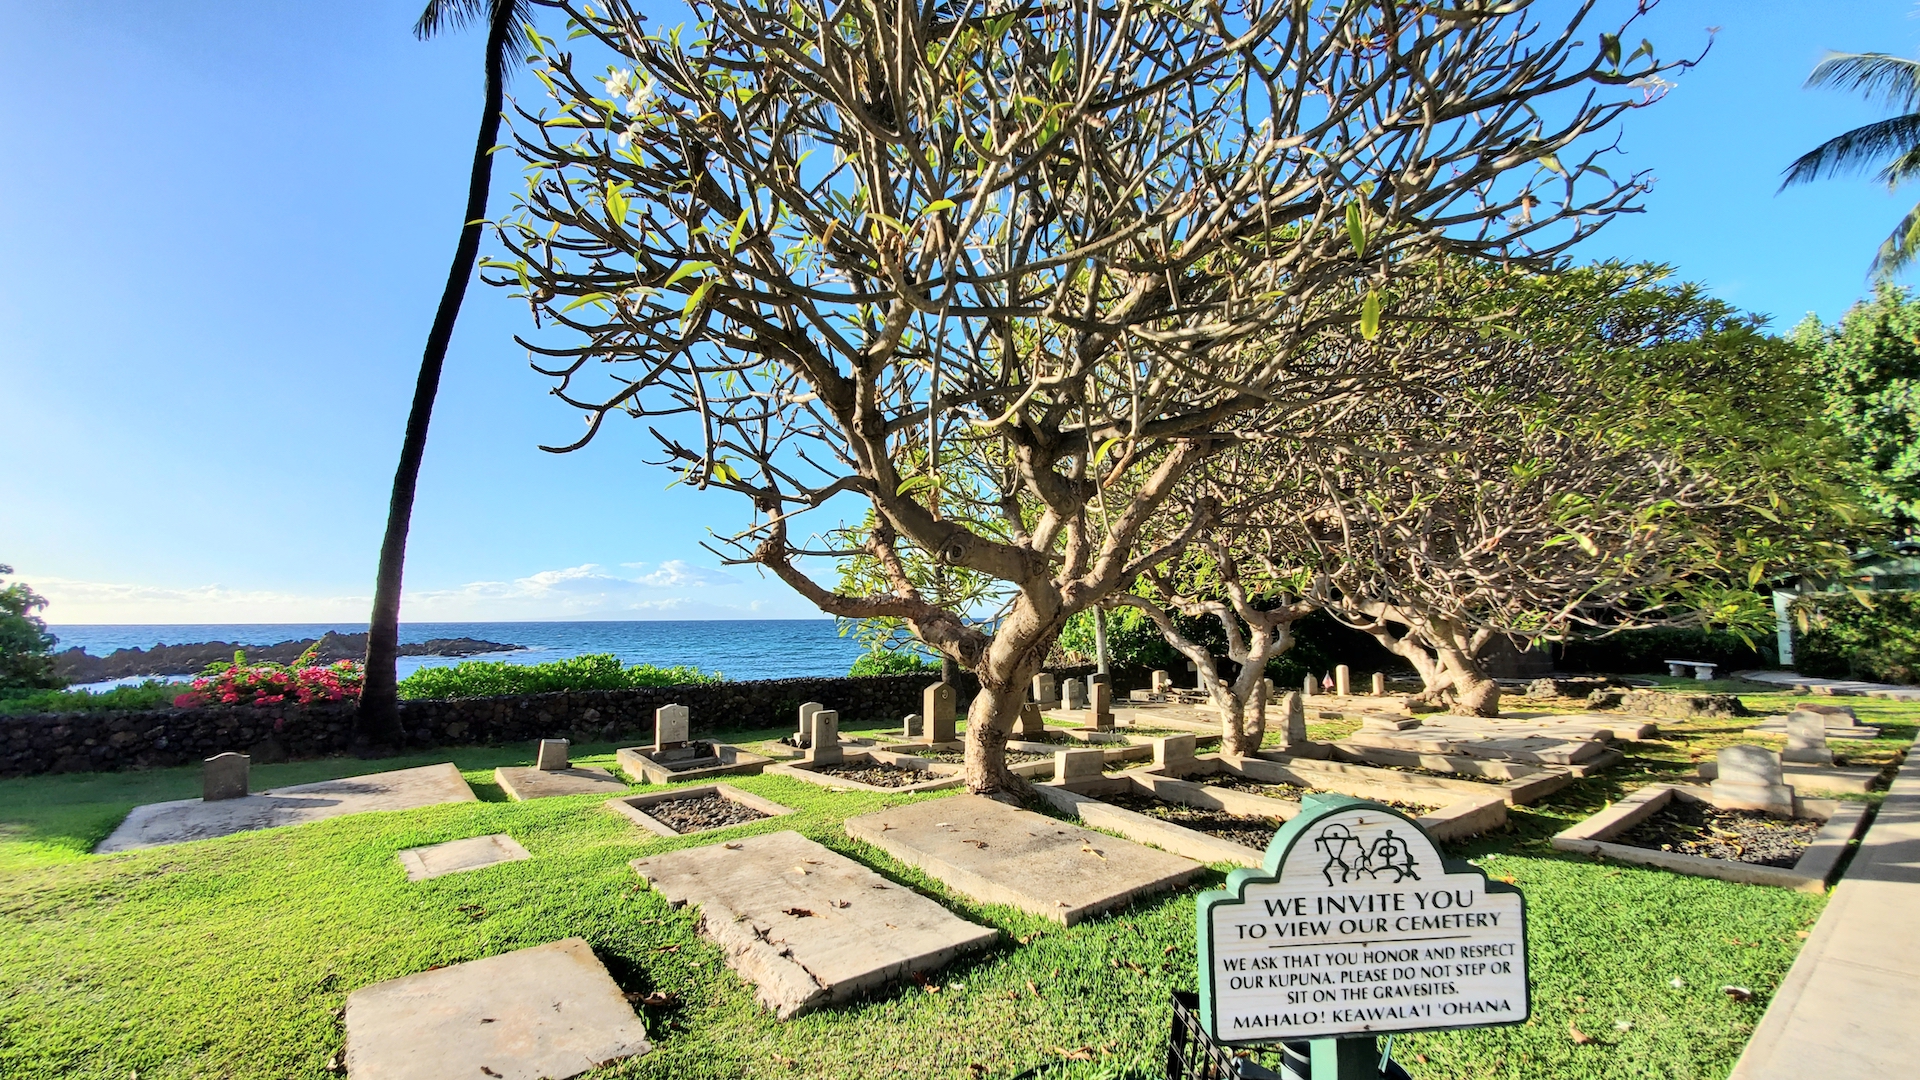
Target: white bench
{"points": [[1701, 669]]}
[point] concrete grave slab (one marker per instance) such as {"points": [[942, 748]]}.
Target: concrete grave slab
{"points": [[455, 856], [998, 854], [195, 819], [546, 1013], [808, 927], [646, 766], [522, 783]]}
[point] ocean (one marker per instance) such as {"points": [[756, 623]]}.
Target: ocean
{"points": [[739, 649]]}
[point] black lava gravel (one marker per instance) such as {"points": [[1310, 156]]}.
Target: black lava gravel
{"points": [[1248, 832], [959, 757], [1748, 836], [702, 813], [876, 774]]}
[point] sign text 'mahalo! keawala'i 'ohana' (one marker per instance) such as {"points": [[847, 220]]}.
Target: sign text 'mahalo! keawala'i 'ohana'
{"points": [[1355, 925]]}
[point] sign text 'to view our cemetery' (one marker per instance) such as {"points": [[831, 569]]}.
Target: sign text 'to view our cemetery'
{"points": [[1356, 926]]}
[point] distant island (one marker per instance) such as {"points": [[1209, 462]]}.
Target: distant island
{"points": [[79, 666]]}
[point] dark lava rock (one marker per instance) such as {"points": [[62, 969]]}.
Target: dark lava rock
{"points": [[1698, 828], [702, 813], [79, 666], [1675, 706]]}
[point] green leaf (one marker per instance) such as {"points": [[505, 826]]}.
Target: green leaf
{"points": [[693, 300], [686, 269], [1356, 230], [938, 205], [587, 299], [1100, 454], [914, 483], [1610, 48], [1370, 315], [1548, 161]]}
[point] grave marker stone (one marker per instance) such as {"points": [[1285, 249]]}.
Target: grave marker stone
{"points": [[1173, 754], [1355, 926], [1306, 687], [805, 732], [1834, 716], [913, 728], [1073, 766], [1379, 684], [1162, 682], [1100, 703], [1750, 779], [823, 742], [1807, 739], [937, 705], [224, 776], [1343, 680], [1296, 720], [551, 755], [670, 724], [1031, 720], [1043, 689], [1070, 695]]}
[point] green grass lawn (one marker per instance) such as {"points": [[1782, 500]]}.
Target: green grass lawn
{"points": [[232, 957]]}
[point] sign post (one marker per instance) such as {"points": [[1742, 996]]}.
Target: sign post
{"points": [[1356, 927]]}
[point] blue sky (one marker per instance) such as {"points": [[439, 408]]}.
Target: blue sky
{"points": [[226, 225]]}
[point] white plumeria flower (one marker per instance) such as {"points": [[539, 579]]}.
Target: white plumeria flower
{"points": [[618, 84]]}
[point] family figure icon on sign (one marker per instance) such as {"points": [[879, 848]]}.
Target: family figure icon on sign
{"points": [[1354, 858]]}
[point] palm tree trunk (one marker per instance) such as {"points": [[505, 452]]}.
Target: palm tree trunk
{"points": [[378, 719]]}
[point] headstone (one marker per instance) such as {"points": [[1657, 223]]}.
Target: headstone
{"points": [[1162, 682], [1143, 696], [1306, 687], [1043, 689], [1807, 739], [1296, 720], [1072, 766], [1071, 693], [1834, 716], [670, 727], [224, 776], [1343, 680], [1100, 703], [1199, 678], [551, 756], [805, 731], [914, 727], [1750, 779], [1356, 925], [1379, 684], [823, 742], [1173, 754], [1031, 720], [1267, 685], [937, 705]]}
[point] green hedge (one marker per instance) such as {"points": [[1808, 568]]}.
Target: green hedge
{"points": [[492, 678], [152, 694], [1640, 652], [1878, 639]]}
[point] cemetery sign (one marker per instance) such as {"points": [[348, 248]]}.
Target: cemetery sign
{"points": [[1355, 926]]}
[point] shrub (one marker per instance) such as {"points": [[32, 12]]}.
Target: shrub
{"points": [[25, 645], [1872, 636], [302, 682], [893, 662], [152, 694], [1633, 652], [493, 678]]}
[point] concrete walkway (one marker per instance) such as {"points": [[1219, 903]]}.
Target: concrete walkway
{"points": [[1844, 687], [1845, 1007]]}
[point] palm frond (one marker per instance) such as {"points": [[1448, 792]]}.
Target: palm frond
{"points": [[1871, 75], [445, 16], [1900, 247], [1852, 150], [1900, 169]]}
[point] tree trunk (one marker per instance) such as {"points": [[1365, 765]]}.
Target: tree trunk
{"points": [[1472, 692], [990, 720], [377, 720]]}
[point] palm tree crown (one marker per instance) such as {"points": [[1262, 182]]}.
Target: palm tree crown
{"points": [[1890, 146]]}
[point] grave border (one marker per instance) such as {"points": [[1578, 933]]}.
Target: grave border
{"points": [[802, 770], [633, 807], [1808, 874], [637, 762]]}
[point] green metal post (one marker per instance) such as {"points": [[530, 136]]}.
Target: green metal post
{"points": [[1356, 1058]]}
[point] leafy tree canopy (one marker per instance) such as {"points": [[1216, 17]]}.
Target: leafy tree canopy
{"points": [[1868, 368], [25, 645]]}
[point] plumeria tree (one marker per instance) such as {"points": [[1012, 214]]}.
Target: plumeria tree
{"points": [[1004, 276], [1648, 457]]}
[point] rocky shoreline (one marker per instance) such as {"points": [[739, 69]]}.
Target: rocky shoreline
{"points": [[79, 666]]}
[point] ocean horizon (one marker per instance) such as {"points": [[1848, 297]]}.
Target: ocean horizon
{"points": [[739, 649]]}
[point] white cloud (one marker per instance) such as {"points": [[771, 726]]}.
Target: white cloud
{"points": [[674, 589]]}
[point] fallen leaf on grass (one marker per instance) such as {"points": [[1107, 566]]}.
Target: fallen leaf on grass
{"points": [[924, 983], [976, 1068], [1032, 989], [1580, 1038], [1802, 934], [1737, 993], [1677, 983], [1421, 1058], [657, 999], [668, 948], [1085, 1053], [334, 1064], [800, 913]]}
